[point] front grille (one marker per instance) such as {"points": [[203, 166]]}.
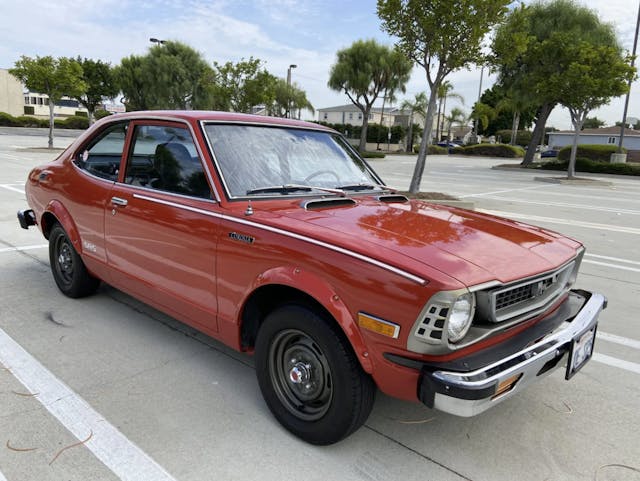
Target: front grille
{"points": [[525, 298], [508, 298]]}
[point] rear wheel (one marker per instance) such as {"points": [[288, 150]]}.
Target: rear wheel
{"points": [[309, 376], [67, 267]]}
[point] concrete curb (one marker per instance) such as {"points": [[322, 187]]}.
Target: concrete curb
{"points": [[574, 181]]}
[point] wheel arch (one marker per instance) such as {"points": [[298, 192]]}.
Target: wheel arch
{"points": [[56, 212], [309, 290]]}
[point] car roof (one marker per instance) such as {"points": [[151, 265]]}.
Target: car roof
{"points": [[215, 116]]}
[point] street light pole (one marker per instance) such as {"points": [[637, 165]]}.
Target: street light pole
{"points": [[289, 90], [626, 102], [157, 40]]}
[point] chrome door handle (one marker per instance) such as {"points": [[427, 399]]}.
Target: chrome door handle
{"points": [[118, 201]]}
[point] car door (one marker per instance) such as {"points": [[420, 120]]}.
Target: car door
{"points": [[160, 235]]}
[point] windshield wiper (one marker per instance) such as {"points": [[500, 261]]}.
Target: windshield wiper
{"points": [[289, 188], [363, 186]]}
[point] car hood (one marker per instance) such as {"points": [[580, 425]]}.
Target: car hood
{"points": [[469, 246]]}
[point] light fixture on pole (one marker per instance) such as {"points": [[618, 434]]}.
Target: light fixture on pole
{"points": [[289, 89], [157, 40]]}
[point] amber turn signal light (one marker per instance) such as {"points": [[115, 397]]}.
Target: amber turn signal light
{"points": [[506, 385], [379, 326]]}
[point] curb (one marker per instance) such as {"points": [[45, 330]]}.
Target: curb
{"points": [[574, 181]]}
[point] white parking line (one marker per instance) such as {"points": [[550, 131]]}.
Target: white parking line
{"points": [[618, 259], [563, 204], [614, 266], [623, 341], [23, 248], [124, 458], [13, 188], [615, 362], [553, 220], [537, 187], [2, 478]]}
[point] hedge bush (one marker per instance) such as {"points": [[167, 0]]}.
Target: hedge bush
{"points": [[491, 150], [372, 155], [100, 114], [598, 153], [73, 122], [523, 137], [592, 166]]}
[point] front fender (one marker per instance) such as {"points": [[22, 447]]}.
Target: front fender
{"points": [[320, 290]]}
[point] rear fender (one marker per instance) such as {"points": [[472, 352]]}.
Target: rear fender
{"points": [[62, 215], [316, 287]]}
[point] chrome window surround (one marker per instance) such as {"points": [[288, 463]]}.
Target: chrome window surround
{"points": [[129, 118], [203, 124]]}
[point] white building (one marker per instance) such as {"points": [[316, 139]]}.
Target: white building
{"points": [[16, 100], [604, 136], [349, 114]]}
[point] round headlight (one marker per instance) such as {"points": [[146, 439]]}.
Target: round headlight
{"points": [[460, 317]]}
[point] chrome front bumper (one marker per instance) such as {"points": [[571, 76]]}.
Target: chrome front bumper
{"points": [[470, 393]]}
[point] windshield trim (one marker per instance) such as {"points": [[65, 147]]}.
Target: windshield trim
{"points": [[347, 145]]}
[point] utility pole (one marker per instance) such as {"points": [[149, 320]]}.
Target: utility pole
{"points": [[626, 102], [289, 90]]}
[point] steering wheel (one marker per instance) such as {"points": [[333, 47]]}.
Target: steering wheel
{"points": [[321, 172]]}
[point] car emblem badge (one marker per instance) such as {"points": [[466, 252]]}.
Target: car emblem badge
{"points": [[247, 239]]}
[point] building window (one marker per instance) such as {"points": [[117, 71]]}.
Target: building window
{"points": [[359, 116], [326, 116], [26, 100], [611, 140], [350, 116], [40, 101], [370, 116]]}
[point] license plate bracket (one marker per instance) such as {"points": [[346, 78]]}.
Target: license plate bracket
{"points": [[580, 351]]}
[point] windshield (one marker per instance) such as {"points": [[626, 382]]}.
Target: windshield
{"points": [[255, 160]]}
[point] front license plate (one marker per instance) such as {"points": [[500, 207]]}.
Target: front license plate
{"points": [[580, 351]]}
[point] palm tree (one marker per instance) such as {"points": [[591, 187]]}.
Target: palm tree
{"points": [[483, 114], [457, 116], [445, 90], [417, 106]]}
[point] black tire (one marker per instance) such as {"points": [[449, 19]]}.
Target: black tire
{"points": [[67, 267], [310, 377]]}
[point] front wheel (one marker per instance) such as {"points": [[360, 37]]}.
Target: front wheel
{"points": [[309, 376], [67, 267]]}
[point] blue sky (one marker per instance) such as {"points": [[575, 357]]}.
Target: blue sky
{"points": [[280, 32]]}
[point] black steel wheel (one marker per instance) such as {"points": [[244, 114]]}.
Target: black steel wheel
{"points": [[68, 270], [309, 376]]}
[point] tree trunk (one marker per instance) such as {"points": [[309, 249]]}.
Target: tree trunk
{"points": [[384, 99], [444, 117], [538, 133], [414, 188], [577, 118], [92, 117], [51, 123], [363, 133], [438, 120], [409, 146], [515, 125]]}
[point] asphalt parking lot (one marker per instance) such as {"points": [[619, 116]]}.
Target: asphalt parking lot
{"points": [[167, 403]]}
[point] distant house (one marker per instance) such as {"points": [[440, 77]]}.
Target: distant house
{"points": [[351, 115], [604, 136], [10, 94]]}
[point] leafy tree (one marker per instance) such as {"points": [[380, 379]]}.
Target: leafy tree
{"points": [[593, 74], [132, 76], [101, 84], [241, 86], [533, 44], [363, 71], [483, 114], [441, 39], [171, 76], [445, 90], [288, 95], [416, 106], [511, 112], [53, 77], [456, 116], [593, 123]]}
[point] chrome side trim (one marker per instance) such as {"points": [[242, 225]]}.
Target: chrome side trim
{"points": [[275, 230]]}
